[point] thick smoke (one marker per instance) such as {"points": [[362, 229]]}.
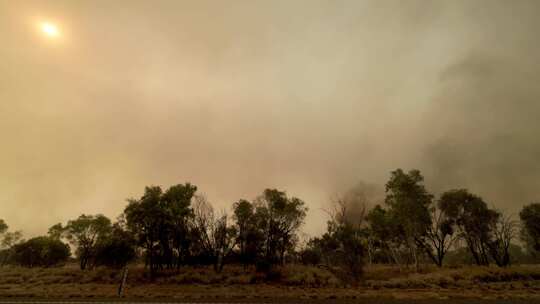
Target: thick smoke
{"points": [[483, 123], [305, 96]]}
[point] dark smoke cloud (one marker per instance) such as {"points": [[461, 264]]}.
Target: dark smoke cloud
{"points": [[485, 126]]}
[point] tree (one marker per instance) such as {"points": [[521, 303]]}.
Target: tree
{"points": [[56, 231], [40, 251], [216, 237], [350, 252], [177, 203], [160, 223], [440, 236], [249, 237], [386, 234], [503, 231], [409, 202], [351, 208], [84, 233], [279, 217], [530, 220], [9, 240], [117, 250], [143, 217], [470, 214], [342, 247]]}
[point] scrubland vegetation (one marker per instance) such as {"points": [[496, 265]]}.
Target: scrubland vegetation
{"points": [[291, 281], [174, 242]]}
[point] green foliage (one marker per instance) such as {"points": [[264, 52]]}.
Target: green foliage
{"points": [[144, 217], [342, 247], [116, 250], [350, 251], [267, 228], [179, 227], [56, 231], [84, 233], [278, 218], [249, 235], [160, 223], [408, 204], [386, 233], [475, 221], [9, 239], [40, 251]]}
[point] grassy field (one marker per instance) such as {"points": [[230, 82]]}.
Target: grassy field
{"points": [[298, 282]]}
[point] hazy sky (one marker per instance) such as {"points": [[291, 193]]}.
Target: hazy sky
{"points": [[310, 97]]}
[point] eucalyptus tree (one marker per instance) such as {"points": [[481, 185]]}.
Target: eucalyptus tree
{"points": [[408, 202], [84, 233], [56, 231], [386, 234], [11, 238], [178, 212], [279, 218], [143, 219], [440, 237], [474, 220], [160, 223], [249, 235], [8, 240]]}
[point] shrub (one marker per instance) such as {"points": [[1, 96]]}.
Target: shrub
{"points": [[310, 256], [309, 276], [115, 253], [241, 279], [40, 251]]}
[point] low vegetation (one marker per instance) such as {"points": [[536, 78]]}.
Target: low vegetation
{"points": [[295, 281]]}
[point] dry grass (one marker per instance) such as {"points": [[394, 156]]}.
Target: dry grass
{"points": [[290, 282], [447, 278]]}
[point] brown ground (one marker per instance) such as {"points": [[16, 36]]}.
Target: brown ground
{"points": [[294, 282]]}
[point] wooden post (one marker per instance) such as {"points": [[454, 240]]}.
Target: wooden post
{"points": [[123, 282]]}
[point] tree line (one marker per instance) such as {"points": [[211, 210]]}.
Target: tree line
{"points": [[412, 226], [170, 228]]}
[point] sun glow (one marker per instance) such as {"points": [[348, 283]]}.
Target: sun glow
{"points": [[50, 29]]}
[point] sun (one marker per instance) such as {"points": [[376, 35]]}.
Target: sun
{"points": [[50, 29]]}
